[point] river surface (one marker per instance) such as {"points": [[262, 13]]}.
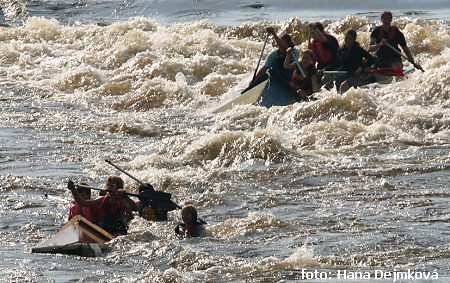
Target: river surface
{"points": [[353, 184]]}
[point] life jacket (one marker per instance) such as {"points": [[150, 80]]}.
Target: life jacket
{"points": [[385, 51], [300, 82], [110, 216], [391, 35], [86, 212], [322, 55]]}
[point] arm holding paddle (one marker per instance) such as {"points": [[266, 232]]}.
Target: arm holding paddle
{"points": [[316, 33], [287, 59], [409, 58], [80, 200], [94, 202], [281, 44]]}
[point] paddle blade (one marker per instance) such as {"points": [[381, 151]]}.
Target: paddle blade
{"points": [[389, 72], [418, 67]]}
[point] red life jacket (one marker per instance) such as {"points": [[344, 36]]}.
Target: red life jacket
{"points": [[320, 54], [109, 209], [86, 212], [391, 34], [300, 82]]}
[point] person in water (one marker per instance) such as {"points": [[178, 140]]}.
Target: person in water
{"points": [[324, 46], [388, 34], [353, 59], [305, 87], [112, 208], [86, 212], [153, 211], [190, 226], [275, 60]]}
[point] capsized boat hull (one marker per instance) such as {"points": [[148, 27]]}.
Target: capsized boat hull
{"points": [[77, 237]]}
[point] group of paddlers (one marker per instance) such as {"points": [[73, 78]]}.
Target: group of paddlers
{"points": [[353, 63], [113, 209]]}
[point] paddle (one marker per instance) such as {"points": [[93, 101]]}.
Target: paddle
{"points": [[155, 198], [148, 186], [379, 71], [309, 39], [399, 53], [260, 56], [298, 63]]}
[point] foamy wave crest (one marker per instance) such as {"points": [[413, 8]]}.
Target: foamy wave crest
{"points": [[14, 9], [237, 147], [254, 223], [82, 79]]}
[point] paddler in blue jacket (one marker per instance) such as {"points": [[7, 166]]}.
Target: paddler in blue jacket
{"points": [[275, 60]]}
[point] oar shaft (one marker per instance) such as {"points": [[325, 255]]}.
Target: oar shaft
{"points": [[335, 72], [124, 172], [404, 56], [260, 56], [309, 39], [298, 63], [102, 190], [381, 71], [396, 51]]}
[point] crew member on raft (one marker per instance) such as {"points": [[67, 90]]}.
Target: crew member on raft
{"points": [[350, 58], [190, 226], [86, 212], [110, 208], [386, 33], [305, 87], [324, 46], [275, 60], [153, 211]]}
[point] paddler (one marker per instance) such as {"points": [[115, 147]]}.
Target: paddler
{"points": [[386, 34], [190, 226], [112, 209], [86, 212], [353, 59], [275, 60], [305, 87], [324, 46]]}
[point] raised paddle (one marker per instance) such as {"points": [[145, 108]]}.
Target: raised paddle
{"points": [[148, 186], [399, 53], [396, 72], [260, 56]]}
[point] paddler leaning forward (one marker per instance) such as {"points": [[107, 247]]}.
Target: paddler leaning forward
{"points": [[110, 208], [275, 60]]}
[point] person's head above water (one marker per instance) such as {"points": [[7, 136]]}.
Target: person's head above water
{"points": [[189, 214]]}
